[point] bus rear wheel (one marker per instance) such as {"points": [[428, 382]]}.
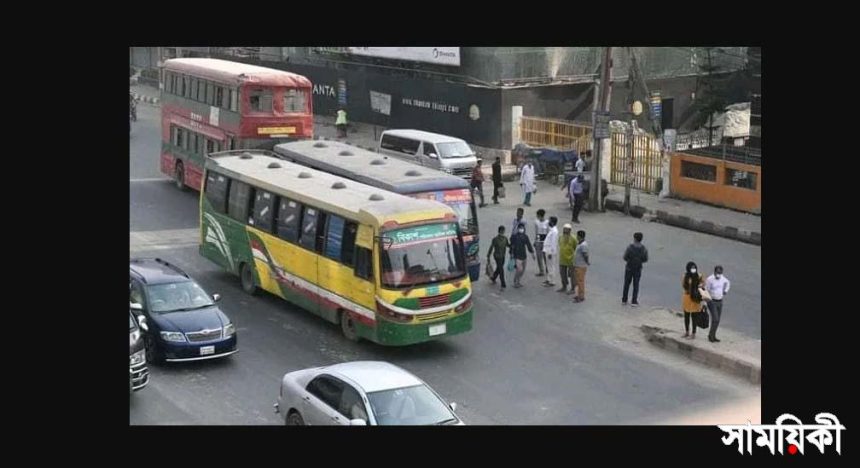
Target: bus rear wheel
{"points": [[179, 176], [347, 326], [246, 277]]}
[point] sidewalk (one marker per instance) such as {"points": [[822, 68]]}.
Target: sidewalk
{"points": [[145, 93], [689, 215]]}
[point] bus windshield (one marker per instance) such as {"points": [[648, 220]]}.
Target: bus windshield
{"points": [[460, 200], [421, 255]]}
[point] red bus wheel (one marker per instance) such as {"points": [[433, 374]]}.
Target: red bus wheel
{"points": [[179, 176]]}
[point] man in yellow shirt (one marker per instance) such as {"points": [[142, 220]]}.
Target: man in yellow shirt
{"points": [[566, 248]]}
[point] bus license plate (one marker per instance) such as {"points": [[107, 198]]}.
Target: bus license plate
{"points": [[438, 329], [204, 350]]}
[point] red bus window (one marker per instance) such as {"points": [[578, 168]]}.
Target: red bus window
{"points": [[295, 100], [260, 100]]}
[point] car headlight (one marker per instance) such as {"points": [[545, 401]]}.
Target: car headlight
{"points": [[172, 336], [137, 358], [229, 330]]}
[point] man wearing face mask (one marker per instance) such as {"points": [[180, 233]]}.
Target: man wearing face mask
{"points": [[717, 286], [519, 244], [550, 249]]}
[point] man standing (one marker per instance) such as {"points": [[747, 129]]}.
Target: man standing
{"points": [[541, 228], [580, 164], [519, 243], [635, 255], [550, 249], [478, 182], [566, 247], [497, 179], [717, 286], [517, 221], [340, 123], [577, 196], [527, 182], [580, 265], [498, 248]]}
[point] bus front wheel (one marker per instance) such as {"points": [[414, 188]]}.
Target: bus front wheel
{"points": [[347, 326], [179, 176], [246, 277]]}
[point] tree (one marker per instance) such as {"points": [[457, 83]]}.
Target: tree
{"points": [[712, 98]]}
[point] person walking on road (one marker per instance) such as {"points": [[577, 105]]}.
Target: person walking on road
{"points": [[517, 221], [497, 179], [527, 182], [566, 248], [581, 263], [519, 243], [635, 255], [691, 299], [717, 286], [341, 123], [577, 196], [498, 250], [478, 182], [541, 228], [550, 249]]}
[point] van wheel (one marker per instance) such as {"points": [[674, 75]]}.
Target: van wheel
{"points": [[179, 176], [246, 277], [295, 419], [347, 326]]}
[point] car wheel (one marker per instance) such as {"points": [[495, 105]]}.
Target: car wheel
{"points": [[295, 419], [347, 326], [246, 277], [152, 354]]}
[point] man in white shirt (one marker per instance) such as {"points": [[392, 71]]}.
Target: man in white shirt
{"points": [[550, 248], [541, 230], [580, 164], [527, 182], [717, 286]]}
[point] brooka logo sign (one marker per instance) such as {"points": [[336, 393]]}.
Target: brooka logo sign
{"points": [[773, 435]]}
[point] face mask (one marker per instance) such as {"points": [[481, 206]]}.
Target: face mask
{"points": [[521, 231], [717, 275], [692, 270]]}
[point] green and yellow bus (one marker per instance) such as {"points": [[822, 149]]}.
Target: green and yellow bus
{"points": [[385, 267]]}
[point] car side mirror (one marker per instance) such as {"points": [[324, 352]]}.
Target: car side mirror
{"points": [[433, 156], [135, 306], [141, 321], [357, 422], [216, 297], [453, 406]]}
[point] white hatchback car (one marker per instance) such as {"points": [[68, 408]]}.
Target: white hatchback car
{"points": [[361, 393]]}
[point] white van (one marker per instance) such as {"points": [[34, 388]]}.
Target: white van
{"points": [[448, 154]]}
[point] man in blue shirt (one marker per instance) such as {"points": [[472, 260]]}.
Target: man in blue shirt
{"points": [[577, 196]]}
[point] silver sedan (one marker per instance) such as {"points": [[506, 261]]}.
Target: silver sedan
{"points": [[361, 393]]}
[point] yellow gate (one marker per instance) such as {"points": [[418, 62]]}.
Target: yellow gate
{"points": [[562, 135], [647, 162]]}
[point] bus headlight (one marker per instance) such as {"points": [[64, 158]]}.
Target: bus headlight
{"points": [[466, 305], [390, 314]]}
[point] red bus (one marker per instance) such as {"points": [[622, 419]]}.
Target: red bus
{"points": [[210, 105]]}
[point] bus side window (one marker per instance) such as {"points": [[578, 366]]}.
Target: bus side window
{"points": [[363, 263], [264, 204], [334, 238], [216, 191], [238, 201], [319, 246], [288, 220], [308, 236], [348, 250]]}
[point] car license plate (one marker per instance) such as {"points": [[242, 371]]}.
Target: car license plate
{"points": [[438, 329], [204, 350]]}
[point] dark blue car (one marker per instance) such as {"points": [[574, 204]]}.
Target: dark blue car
{"points": [[184, 322]]}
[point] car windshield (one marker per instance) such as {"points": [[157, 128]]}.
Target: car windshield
{"points": [[454, 149], [409, 406], [421, 255], [173, 297]]}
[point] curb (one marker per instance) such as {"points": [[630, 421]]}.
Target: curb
{"points": [[733, 366], [685, 222], [147, 99]]}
